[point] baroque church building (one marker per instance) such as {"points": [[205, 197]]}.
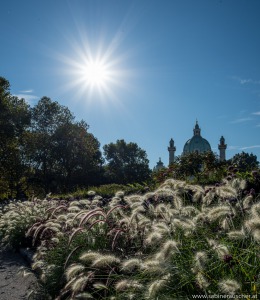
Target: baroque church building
{"points": [[195, 144]]}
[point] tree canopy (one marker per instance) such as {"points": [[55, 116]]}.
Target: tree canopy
{"points": [[126, 162], [245, 161]]}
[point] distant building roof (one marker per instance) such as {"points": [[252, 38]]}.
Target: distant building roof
{"points": [[197, 143]]}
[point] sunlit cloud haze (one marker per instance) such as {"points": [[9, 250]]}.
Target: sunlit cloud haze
{"points": [[28, 96]]}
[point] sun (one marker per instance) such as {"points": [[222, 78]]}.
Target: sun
{"points": [[95, 73]]}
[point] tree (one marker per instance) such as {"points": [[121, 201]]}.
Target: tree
{"points": [[61, 152], [127, 163], [14, 120], [245, 162], [198, 165], [76, 154], [47, 117]]}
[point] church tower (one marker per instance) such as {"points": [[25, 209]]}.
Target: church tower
{"points": [[171, 150], [222, 149]]}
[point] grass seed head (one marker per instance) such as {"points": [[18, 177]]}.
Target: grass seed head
{"points": [[126, 284], [131, 264], [84, 296], [153, 238], [229, 286], [79, 284], [90, 256], [73, 270], [202, 281], [156, 286], [169, 248], [200, 260], [255, 210], [237, 234], [105, 261], [218, 212], [256, 235]]}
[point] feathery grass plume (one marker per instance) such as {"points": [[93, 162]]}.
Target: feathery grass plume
{"points": [[62, 218], [79, 284], [169, 248], [136, 204], [105, 261], [120, 194], [156, 286], [89, 256], [169, 182], [238, 184], [237, 234], [161, 227], [200, 260], [248, 201], [174, 212], [226, 191], [164, 193], [138, 209], [256, 235], [152, 267], [252, 224], [100, 286], [145, 222], [198, 192], [162, 207], [229, 286], [225, 224], [114, 202], [163, 211], [55, 240], [74, 203], [202, 281], [209, 197], [91, 193], [255, 210], [220, 249], [73, 270], [189, 211], [84, 202], [186, 225], [53, 224], [73, 209], [70, 215], [126, 284], [218, 212], [38, 265], [177, 202], [83, 296], [131, 265], [153, 238]]}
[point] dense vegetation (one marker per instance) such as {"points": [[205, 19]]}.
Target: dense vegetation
{"points": [[44, 149], [176, 241], [113, 229]]}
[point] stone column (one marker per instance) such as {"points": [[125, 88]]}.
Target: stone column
{"points": [[171, 150], [222, 149]]}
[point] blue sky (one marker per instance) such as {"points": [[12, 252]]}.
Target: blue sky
{"points": [[167, 63]]}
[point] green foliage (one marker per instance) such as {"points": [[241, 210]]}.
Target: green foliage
{"points": [[127, 163], [245, 162], [106, 190], [200, 168], [177, 241], [14, 120]]}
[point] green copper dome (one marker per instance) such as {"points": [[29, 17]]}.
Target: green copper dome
{"points": [[197, 143]]}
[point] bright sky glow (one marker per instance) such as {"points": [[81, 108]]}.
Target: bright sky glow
{"points": [[142, 71], [95, 73]]}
